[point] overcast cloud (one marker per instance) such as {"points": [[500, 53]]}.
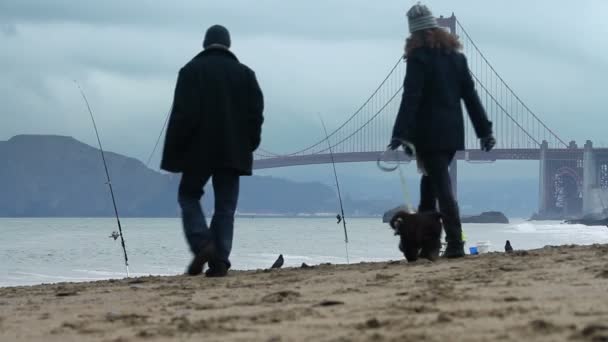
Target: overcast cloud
{"points": [[310, 56]]}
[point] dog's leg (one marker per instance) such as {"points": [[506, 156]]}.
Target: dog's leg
{"points": [[410, 251], [430, 249]]}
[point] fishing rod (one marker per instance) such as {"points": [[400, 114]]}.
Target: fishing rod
{"points": [[160, 135], [333, 163], [109, 182]]}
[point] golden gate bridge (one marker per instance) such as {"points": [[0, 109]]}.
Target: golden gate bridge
{"points": [[572, 179]]}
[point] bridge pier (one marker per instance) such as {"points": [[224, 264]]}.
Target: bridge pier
{"points": [[542, 179], [590, 179], [454, 177]]}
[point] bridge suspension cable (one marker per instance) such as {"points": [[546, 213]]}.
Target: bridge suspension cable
{"points": [[321, 142], [500, 98]]}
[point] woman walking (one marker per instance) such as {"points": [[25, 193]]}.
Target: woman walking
{"points": [[430, 116]]}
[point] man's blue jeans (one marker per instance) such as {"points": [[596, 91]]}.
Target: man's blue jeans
{"points": [[221, 230]]}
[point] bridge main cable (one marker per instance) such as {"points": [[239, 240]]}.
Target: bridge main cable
{"points": [[509, 88], [322, 141]]}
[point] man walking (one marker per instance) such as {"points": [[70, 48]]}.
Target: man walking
{"points": [[215, 126]]}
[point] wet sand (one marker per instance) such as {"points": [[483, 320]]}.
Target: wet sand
{"points": [[551, 294]]}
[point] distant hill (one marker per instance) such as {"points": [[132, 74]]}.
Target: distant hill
{"points": [[58, 176]]}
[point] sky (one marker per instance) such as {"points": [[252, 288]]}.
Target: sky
{"points": [[310, 56]]}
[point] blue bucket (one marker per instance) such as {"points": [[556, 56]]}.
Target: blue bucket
{"points": [[473, 250]]}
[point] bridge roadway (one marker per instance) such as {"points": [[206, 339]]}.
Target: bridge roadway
{"points": [[468, 155]]}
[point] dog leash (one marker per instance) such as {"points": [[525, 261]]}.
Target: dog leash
{"points": [[406, 196], [398, 167]]}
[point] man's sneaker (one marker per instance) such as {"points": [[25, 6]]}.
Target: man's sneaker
{"points": [[206, 253], [217, 270], [454, 250]]}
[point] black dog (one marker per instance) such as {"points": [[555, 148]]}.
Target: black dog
{"points": [[419, 233]]}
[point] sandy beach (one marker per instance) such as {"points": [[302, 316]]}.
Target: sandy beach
{"points": [[551, 294]]}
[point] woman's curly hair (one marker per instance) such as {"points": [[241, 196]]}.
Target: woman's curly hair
{"points": [[435, 38]]}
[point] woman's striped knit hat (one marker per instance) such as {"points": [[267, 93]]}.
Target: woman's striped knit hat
{"points": [[420, 18]]}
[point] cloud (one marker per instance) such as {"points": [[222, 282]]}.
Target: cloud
{"points": [[315, 19], [9, 30]]}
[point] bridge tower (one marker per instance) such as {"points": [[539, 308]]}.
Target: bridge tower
{"points": [[589, 178], [543, 184], [565, 179], [600, 158], [595, 179], [449, 23]]}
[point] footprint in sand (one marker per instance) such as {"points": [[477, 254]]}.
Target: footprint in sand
{"points": [[128, 319], [385, 277], [511, 299], [281, 297], [595, 332], [372, 323], [444, 318], [330, 303], [545, 327], [82, 327]]}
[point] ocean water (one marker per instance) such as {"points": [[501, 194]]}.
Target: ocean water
{"points": [[35, 251]]}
